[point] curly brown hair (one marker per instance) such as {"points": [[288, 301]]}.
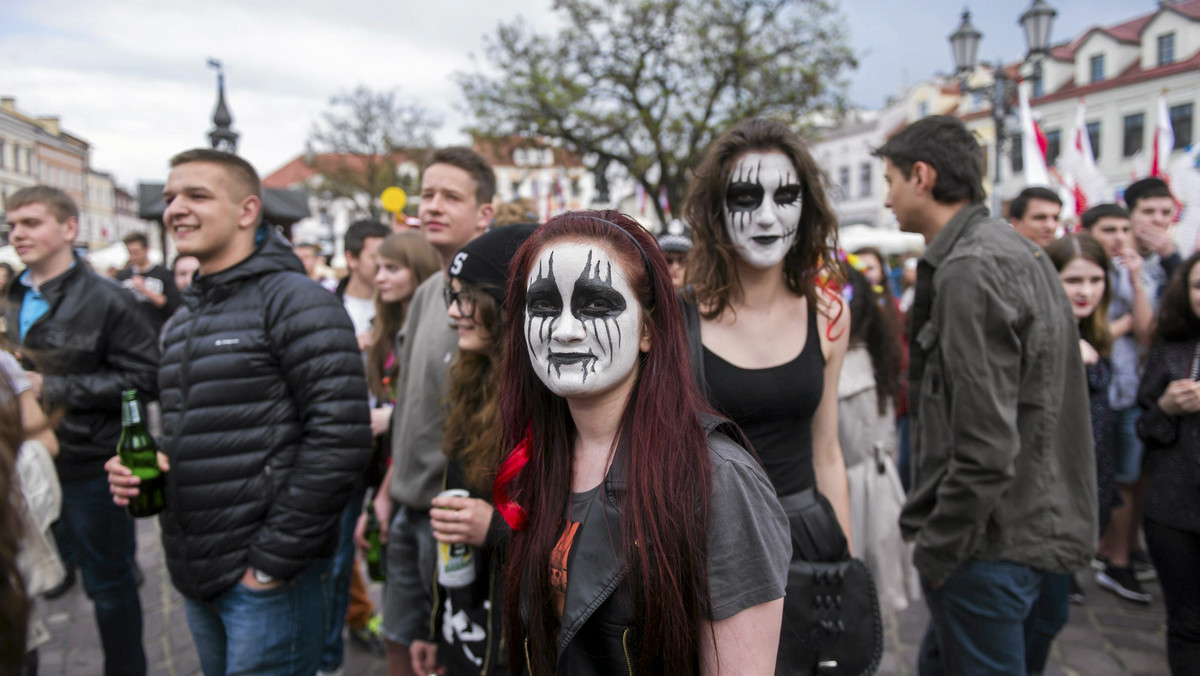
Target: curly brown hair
{"points": [[712, 265], [474, 436]]}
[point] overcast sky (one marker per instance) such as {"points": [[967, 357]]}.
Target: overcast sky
{"points": [[129, 76]]}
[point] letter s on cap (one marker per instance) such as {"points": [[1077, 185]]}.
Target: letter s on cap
{"points": [[457, 265]]}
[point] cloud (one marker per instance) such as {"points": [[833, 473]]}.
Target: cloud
{"points": [[129, 76]]}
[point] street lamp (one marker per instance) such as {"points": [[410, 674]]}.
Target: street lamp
{"points": [[964, 44]]}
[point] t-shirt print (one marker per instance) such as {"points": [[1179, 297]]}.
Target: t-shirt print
{"points": [[558, 565]]}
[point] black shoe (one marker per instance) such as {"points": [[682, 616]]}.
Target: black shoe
{"points": [[1123, 583], [64, 586], [1143, 570], [1076, 594]]}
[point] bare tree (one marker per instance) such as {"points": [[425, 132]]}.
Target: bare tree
{"points": [[358, 144]]}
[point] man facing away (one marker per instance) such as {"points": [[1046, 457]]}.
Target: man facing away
{"points": [[1004, 481], [265, 422], [456, 206], [87, 342], [153, 286], [1034, 213]]}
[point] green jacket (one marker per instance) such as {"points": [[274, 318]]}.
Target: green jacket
{"points": [[1002, 460]]}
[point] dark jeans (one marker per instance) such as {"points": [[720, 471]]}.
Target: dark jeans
{"points": [[1176, 556], [904, 454], [101, 534], [1048, 616], [977, 620], [343, 562], [272, 632]]}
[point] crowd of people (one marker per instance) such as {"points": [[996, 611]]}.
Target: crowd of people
{"points": [[625, 439]]}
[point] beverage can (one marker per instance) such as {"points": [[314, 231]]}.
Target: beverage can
{"points": [[456, 562]]}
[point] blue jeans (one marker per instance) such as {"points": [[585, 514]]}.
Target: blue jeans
{"points": [[101, 535], [343, 563], [1047, 617], [977, 620], [274, 632]]}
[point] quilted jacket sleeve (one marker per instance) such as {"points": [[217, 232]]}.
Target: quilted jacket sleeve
{"points": [[320, 362]]}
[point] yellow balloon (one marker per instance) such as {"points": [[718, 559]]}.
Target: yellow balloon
{"points": [[393, 199]]}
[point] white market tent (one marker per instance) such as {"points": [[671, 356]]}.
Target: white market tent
{"points": [[114, 256], [890, 242]]}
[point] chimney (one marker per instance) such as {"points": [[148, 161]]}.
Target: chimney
{"points": [[50, 124], [8, 104]]}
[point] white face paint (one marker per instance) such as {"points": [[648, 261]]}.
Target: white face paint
{"points": [[762, 207], [581, 320]]}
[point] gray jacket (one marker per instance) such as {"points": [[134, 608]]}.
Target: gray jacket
{"points": [[1003, 467]]}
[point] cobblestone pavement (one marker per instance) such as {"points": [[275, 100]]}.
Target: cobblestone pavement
{"points": [[1106, 636]]}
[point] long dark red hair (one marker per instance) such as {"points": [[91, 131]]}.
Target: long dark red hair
{"points": [[663, 453]]}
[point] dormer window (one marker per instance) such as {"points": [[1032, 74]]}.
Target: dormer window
{"points": [[1166, 49], [1096, 68]]}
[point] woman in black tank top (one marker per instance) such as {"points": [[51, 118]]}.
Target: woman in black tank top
{"points": [[767, 338]]}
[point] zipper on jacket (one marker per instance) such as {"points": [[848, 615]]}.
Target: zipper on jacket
{"points": [[625, 649], [173, 495]]}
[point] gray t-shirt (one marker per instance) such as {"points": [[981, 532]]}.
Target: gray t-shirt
{"points": [[430, 345], [1127, 352]]}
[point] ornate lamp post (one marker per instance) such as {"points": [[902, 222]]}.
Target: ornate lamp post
{"points": [[964, 44]]}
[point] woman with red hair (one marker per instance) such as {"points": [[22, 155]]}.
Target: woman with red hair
{"points": [[646, 540]]}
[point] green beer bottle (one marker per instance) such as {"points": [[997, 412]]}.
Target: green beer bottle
{"points": [[139, 453]]}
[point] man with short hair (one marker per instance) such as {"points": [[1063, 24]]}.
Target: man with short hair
{"points": [[153, 286], [85, 342], [357, 293], [456, 206], [1003, 497], [309, 254], [1034, 214], [1152, 211], [265, 421]]}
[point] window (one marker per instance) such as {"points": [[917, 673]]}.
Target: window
{"points": [[844, 181], [1097, 67], [1017, 152], [1181, 122], [922, 109], [1135, 134], [1166, 49], [1039, 88], [1053, 146], [864, 179], [1093, 129]]}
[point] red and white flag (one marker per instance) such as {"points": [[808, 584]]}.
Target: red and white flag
{"points": [[1033, 142], [664, 201], [1164, 139], [1077, 166], [641, 199]]}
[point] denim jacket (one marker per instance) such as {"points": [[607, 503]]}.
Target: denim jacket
{"points": [[1003, 467]]}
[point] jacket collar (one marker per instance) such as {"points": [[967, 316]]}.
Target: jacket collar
{"points": [[272, 254], [52, 290], [941, 245]]}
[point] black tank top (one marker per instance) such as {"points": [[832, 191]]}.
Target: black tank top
{"points": [[775, 406]]}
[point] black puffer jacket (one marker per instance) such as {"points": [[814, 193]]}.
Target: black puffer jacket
{"points": [[266, 423], [90, 345]]}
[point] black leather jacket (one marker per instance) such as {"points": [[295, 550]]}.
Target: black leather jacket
{"points": [[90, 345]]}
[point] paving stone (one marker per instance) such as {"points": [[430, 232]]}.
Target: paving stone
{"points": [[1091, 661], [1143, 662], [1136, 640], [1111, 621], [85, 662]]}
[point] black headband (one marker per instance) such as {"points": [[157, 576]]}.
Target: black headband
{"points": [[641, 250]]}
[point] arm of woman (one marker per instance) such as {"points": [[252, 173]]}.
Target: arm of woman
{"points": [[34, 422], [743, 644], [829, 464]]}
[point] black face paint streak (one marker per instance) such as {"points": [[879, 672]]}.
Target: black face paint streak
{"points": [[543, 302], [557, 360], [745, 195], [595, 300]]}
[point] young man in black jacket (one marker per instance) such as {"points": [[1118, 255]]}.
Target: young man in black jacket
{"points": [[84, 341], [266, 428]]}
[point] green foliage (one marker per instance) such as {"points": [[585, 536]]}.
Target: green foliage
{"points": [[648, 84], [368, 132]]}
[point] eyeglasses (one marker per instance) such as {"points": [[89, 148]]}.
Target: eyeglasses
{"points": [[465, 299]]}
